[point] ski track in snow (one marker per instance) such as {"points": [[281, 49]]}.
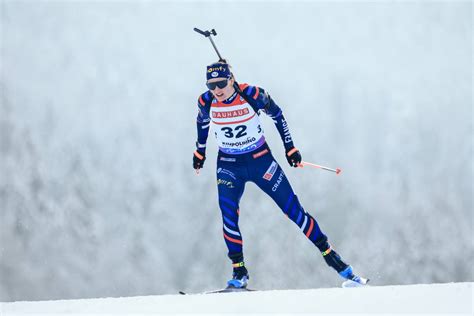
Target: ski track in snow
{"points": [[448, 298]]}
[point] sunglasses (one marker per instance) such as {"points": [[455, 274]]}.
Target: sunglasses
{"points": [[221, 84]]}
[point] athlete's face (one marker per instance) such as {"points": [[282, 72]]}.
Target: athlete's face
{"points": [[224, 93]]}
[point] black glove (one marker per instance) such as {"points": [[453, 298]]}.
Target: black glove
{"points": [[293, 156], [198, 159]]}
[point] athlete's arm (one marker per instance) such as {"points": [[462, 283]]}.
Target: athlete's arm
{"points": [[202, 124], [263, 102], [203, 121]]}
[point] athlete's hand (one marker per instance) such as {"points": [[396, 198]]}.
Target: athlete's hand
{"points": [[198, 159], [293, 156]]}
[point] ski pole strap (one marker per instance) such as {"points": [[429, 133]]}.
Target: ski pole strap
{"points": [[198, 155], [325, 253], [238, 264], [291, 152]]}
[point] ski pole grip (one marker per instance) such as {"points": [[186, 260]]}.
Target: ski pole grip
{"points": [[201, 32], [206, 33]]}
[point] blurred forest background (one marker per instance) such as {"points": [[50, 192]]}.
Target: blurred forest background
{"points": [[97, 128]]}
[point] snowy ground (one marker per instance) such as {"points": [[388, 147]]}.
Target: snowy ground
{"points": [[450, 298]]}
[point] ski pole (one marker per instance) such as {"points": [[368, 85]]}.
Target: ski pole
{"points": [[304, 163], [208, 35]]}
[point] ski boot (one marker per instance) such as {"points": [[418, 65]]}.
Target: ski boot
{"points": [[333, 260], [240, 276], [352, 280]]}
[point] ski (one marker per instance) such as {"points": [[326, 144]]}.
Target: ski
{"points": [[229, 289], [357, 282]]}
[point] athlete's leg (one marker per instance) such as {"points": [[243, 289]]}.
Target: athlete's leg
{"points": [[231, 178], [269, 176], [230, 187]]}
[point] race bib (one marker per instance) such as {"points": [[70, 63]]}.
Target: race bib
{"points": [[237, 128]]}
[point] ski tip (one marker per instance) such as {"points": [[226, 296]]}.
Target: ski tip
{"points": [[338, 171]]}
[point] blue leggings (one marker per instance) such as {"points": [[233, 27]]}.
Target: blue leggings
{"points": [[259, 167]]}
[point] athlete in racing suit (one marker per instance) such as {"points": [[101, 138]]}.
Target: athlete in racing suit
{"points": [[232, 111]]}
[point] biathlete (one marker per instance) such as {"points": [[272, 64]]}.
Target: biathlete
{"points": [[232, 111]]}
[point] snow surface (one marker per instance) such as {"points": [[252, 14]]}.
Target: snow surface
{"points": [[449, 298]]}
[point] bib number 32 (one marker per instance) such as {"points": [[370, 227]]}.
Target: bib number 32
{"points": [[240, 131]]}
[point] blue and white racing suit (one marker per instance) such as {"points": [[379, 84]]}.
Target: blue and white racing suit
{"points": [[245, 156]]}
